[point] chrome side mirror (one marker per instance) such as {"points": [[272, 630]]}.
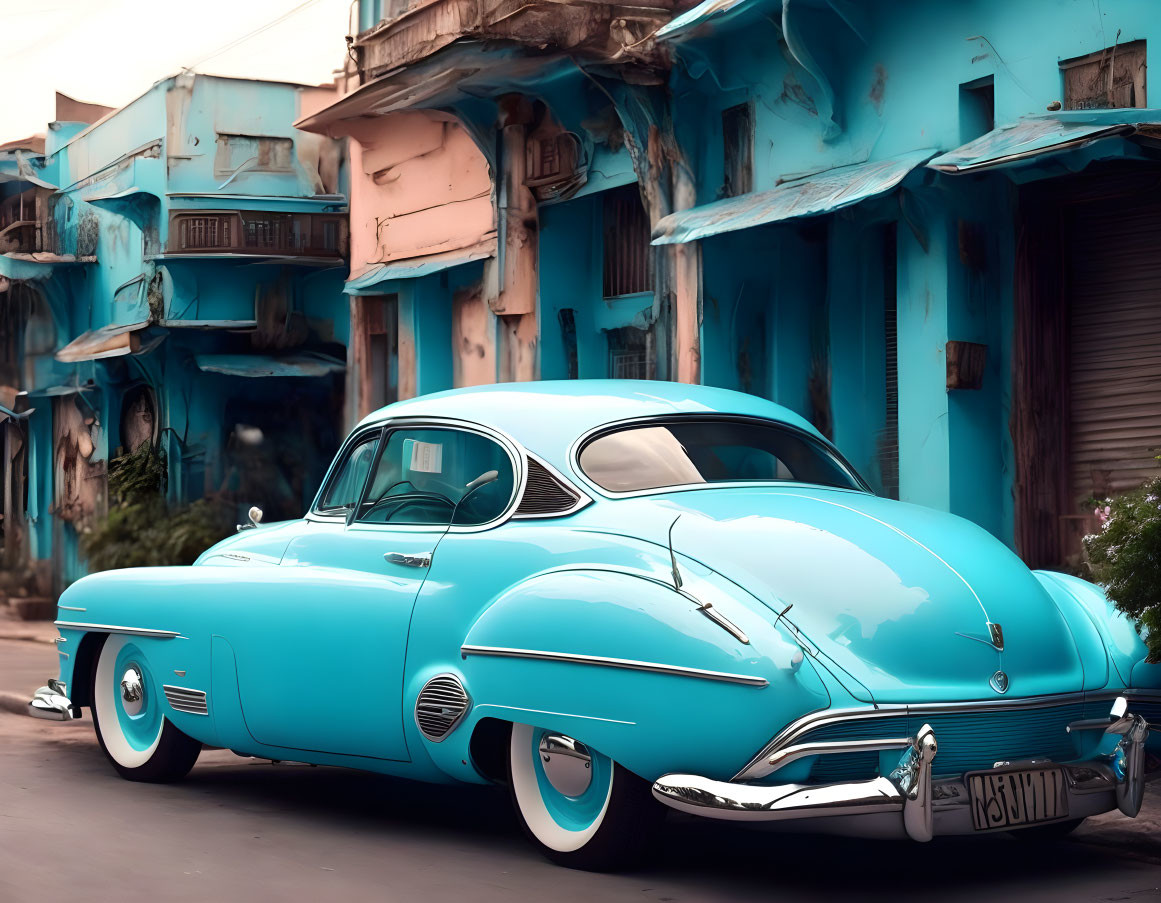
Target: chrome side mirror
{"points": [[255, 515]]}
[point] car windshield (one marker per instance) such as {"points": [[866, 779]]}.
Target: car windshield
{"points": [[691, 451]]}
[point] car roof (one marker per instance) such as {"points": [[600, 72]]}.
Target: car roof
{"points": [[548, 416]]}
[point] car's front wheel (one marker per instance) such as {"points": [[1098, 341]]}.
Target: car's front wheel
{"points": [[127, 713], [581, 808]]}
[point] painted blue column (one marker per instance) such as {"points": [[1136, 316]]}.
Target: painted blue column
{"points": [[924, 435]]}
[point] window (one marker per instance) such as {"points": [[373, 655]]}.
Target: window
{"points": [[628, 263], [702, 450], [738, 150], [253, 153], [1114, 77], [977, 108], [342, 492], [438, 476], [631, 353]]}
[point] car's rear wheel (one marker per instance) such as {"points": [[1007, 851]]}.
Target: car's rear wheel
{"points": [[581, 808], [127, 713]]}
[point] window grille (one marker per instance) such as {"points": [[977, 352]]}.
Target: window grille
{"points": [[628, 263]]}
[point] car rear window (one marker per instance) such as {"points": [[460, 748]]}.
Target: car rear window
{"points": [[697, 451]]}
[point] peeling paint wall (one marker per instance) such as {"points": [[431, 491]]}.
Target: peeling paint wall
{"points": [[420, 185]]}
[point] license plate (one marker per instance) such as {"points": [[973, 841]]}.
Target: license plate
{"points": [[1004, 799]]}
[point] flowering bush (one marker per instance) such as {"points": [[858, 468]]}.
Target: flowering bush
{"points": [[1126, 557]]}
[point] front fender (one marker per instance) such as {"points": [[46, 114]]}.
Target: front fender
{"points": [[643, 676]]}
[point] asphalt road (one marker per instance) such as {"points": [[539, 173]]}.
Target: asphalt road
{"points": [[239, 830]]}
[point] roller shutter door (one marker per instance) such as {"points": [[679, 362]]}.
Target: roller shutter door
{"points": [[1114, 325]]}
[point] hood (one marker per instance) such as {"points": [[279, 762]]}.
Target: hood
{"points": [[265, 544], [898, 596]]}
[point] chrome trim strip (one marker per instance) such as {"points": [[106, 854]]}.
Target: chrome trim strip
{"points": [[606, 662], [71, 608], [185, 699], [758, 766], [128, 631], [833, 747]]}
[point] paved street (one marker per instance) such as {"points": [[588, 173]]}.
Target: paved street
{"points": [[70, 830]]}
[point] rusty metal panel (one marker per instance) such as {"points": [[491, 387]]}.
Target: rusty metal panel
{"points": [[303, 364], [1114, 77], [1036, 136], [822, 193]]}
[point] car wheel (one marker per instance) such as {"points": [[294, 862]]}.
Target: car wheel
{"points": [[581, 808], [127, 713], [1048, 833]]}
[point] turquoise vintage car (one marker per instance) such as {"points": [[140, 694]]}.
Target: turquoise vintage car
{"points": [[614, 595]]}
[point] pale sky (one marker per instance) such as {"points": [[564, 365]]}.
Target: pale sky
{"points": [[111, 51]]}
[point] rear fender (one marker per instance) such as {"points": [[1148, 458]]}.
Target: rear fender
{"points": [[720, 702]]}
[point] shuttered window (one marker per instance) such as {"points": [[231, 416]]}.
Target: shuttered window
{"points": [[628, 263], [1114, 326]]}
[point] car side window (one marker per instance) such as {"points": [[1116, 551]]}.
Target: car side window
{"points": [[346, 485], [437, 476]]}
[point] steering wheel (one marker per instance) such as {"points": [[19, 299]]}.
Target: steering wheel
{"points": [[409, 498]]}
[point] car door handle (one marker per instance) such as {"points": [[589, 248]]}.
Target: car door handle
{"points": [[411, 561]]}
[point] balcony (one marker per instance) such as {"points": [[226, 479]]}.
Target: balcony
{"points": [[263, 234], [411, 31], [23, 224]]}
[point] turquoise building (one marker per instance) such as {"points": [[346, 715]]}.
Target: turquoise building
{"points": [[172, 274], [929, 228]]}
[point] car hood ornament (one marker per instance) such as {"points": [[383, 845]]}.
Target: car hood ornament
{"points": [[999, 682]]}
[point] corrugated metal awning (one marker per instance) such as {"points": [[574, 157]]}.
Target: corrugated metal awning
{"points": [[108, 341], [371, 282], [28, 267], [6, 412], [824, 192], [1038, 136], [698, 16], [302, 364]]}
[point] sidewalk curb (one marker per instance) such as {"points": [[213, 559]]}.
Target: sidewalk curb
{"points": [[14, 703], [27, 638]]}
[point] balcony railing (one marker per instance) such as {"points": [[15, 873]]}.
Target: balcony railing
{"points": [[259, 233], [406, 31], [23, 229]]}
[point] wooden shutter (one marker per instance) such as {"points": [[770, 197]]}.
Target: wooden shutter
{"points": [[1114, 345]]}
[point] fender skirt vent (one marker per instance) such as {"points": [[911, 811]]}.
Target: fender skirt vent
{"points": [[442, 703], [185, 700]]}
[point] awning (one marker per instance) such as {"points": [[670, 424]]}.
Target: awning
{"points": [[6, 412], [824, 192], [371, 282], [305, 363], [1039, 136], [108, 341], [698, 16], [28, 267]]}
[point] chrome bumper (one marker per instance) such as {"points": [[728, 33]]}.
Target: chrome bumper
{"points": [[906, 798], [51, 703]]}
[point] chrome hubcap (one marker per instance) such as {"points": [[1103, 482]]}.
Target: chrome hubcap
{"points": [[132, 691], [568, 765]]}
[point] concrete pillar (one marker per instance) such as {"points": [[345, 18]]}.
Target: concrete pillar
{"points": [[924, 435], [516, 302]]}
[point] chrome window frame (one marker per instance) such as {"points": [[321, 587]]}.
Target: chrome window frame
{"points": [[516, 455], [344, 454], [578, 446]]}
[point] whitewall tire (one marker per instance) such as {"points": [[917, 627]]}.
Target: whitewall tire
{"points": [[128, 714], [581, 808]]}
